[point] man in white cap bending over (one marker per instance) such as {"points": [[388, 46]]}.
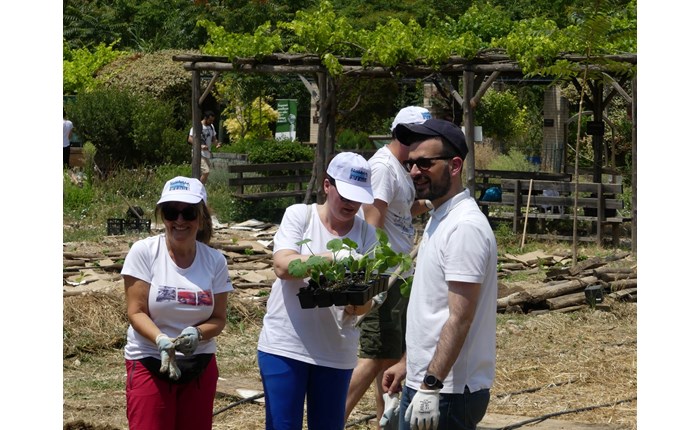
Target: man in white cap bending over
{"points": [[382, 337]]}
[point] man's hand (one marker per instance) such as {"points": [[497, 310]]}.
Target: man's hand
{"points": [[423, 411], [187, 341], [391, 408]]}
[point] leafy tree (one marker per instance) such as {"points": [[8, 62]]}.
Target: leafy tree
{"points": [[500, 116], [81, 65]]}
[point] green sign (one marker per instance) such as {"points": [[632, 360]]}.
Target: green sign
{"points": [[286, 123]]}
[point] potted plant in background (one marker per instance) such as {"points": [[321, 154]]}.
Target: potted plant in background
{"points": [[348, 280]]}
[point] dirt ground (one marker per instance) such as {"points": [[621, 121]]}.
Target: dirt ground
{"points": [[572, 368]]}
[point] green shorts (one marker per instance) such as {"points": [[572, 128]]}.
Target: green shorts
{"points": [[383, 328]]}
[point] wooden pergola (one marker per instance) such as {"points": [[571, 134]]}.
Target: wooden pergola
{"points": [[476, 74]]}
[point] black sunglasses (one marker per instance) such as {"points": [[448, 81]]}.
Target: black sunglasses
{"points": [[171, 213], [332, 182], [424, 163]]}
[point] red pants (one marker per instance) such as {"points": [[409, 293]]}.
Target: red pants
{"points": [[156, 404]]}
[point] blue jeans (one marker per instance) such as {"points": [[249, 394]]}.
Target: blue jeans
{"points": [[287, 383], [456, 411]]}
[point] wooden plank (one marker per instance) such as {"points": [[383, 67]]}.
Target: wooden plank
{"points": [[269, 167], [561, 187], [567, 201], [499, 421], [569, 217], [270, 195], [507, 174], [269, 180]]}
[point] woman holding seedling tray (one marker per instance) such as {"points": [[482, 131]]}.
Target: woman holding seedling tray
{"points": [[310, 353]]}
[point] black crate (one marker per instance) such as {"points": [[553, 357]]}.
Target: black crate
{"points": [[135, 224], [115, 226]]}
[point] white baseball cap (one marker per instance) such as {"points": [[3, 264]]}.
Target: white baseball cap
{"points": [[183, 189], [411, 115], [352, 176]]}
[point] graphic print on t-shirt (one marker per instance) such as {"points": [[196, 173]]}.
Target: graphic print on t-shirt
{"points": [[185, 297]]}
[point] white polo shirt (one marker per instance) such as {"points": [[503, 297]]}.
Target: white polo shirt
{"points": [[458, 245]]}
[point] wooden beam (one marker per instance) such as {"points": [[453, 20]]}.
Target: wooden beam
{"points": [[208, 88], [618, 88], [483, 88]]}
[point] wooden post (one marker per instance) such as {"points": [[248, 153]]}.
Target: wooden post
{"points": [[196, 125], [518, 206], [633, 165], [526, 213], [470, 161]]}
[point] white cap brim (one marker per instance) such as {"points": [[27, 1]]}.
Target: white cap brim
{"points": [[180, 197], [354, 192]]}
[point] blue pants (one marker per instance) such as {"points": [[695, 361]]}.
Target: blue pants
{"points": [[288, 382], [456, 411]]}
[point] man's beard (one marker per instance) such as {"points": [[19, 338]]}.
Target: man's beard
{"points": [[437, 189]]}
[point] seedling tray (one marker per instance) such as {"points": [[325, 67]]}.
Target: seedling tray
{"points": [[317, 296]]}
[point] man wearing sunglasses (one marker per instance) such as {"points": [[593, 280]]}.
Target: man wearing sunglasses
{"points": [[449, 365], [381, 343]]}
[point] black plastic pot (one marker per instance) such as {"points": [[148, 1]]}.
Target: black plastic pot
{"points": [[315, 295]]}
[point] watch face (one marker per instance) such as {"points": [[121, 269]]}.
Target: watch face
{"points": [[432, 381]]}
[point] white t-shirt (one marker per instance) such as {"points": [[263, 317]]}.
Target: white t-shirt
{"points": [[67, 128], [208, 132], [391, 183], [320, 335], [458, 245], [178, 297]]}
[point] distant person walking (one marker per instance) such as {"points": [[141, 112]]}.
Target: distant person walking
{"points": [[67, 134], [208, 138]]}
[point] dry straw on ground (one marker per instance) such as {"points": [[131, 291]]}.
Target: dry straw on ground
{"points": [[546, 364]]}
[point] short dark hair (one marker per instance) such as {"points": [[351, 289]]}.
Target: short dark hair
{"points": [[208, 113]]}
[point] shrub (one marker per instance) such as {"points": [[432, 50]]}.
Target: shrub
{"points": [[350, 139], [126, 129], [76, 199], [514, 160], [270, 151]]}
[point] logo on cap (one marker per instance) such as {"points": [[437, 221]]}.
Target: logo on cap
{"points": [[179, 185], [358, 175]]}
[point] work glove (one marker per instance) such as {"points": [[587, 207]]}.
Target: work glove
{"points": [[423, 411], [344, 253], [390, 410], [167, 356], [187, 341]]}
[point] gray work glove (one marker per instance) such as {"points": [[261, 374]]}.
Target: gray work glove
{"points": [[187, 341], [423, 411], [167, 356], [390, 411]]}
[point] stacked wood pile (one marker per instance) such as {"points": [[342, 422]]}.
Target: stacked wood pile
{"points": [[549, 282], [563, 288]]}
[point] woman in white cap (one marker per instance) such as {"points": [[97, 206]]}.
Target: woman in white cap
{"points": [[310, 353], [176, 297]]}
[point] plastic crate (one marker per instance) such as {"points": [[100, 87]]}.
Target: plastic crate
{"points": [[115, 226], [139, 225]]}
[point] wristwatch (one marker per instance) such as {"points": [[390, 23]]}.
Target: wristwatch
{"points": [[432, 382]]}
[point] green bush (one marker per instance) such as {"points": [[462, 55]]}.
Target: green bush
{"points": [[514, 160], [350, 139], [126, 129], [270, 151], [76, 199], [174, 148]]}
